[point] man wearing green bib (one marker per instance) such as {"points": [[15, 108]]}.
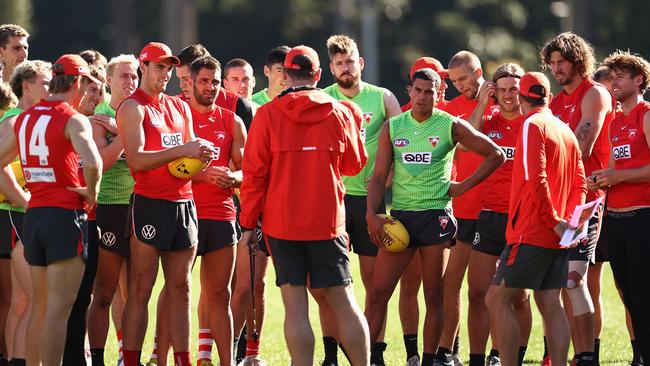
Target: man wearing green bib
{"points": [[420, 146], [378, 105]]}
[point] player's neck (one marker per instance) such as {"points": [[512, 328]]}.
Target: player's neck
{"points": [[150, 92], [512, 114], [573, 85], [203, 109], [421, 117], [60, 97], [26, 103], [271, 92], [115, 102], [6, 74], [630, 103], [353, 91]]}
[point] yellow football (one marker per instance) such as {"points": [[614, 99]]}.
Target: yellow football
{"points": [[20, 178], [399, 237], [185, 168]]}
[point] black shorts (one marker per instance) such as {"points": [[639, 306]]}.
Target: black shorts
{"points": [[166, 225], [602, 254], [533, 267], [53, 234], [318, 263], [216, 234], [466, 230], [586, 248], [357, 227], [112, 221], [428, 227], [490, 233], [11, 228]]}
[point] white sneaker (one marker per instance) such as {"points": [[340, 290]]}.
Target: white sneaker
{"points": [[413, 361], [457, 361]]}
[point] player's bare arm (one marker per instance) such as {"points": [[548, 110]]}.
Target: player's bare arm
{"points": [[109, 151], [8, 184], [377, 187], [595, 106], [480, 144], [129, 122], [606, 178], [237, 150], [391, 104], [78, 130], [485, 93]]}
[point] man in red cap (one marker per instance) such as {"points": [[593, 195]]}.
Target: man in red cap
{"points": [[435, 65], [548, 182], [50, 137], [305, 136], [156, 129]]}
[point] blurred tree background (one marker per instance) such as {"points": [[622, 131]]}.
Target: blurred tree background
{"points": [[391, 33]]}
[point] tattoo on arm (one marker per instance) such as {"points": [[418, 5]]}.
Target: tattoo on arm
{"points": [[584, 131]]}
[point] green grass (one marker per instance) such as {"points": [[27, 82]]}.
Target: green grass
{"points": [[615, 345]]}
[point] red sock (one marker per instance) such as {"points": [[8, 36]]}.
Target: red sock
{"points": [[252, 347], [205, 346], [119, 342], [182, 359], [131, 358]]}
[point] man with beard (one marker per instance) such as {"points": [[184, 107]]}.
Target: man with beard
{"points": [[378, 105], [218, 232], [588, 108]]}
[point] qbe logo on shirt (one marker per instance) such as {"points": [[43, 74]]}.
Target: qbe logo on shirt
{"points": [[416, 157], [171, 139], [509, 152], [621, 152]]}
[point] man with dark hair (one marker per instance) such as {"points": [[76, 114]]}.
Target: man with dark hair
{"points": [[225, 98], [501, 123], [420, 145], [310, 245], [628, 183], [157, 129], [273, 72], [587, 108], [14, 48], [378, 105], [238, 78], [50, 137], [94, 58], [218, 232], [548, 182]]}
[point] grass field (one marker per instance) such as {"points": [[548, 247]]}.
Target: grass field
{"points": [[615, 346]]}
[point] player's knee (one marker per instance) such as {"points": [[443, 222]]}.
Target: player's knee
{"points": [[433, 298], [522, 302], [410, 284], [476, 295], [219, 297], [581, 302]]}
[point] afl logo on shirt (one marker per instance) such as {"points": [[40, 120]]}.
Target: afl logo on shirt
{"points": [[434, 140], [367, 116], [400, 142], [416, 157], [495, 135], [171, 139], [621, 152]]}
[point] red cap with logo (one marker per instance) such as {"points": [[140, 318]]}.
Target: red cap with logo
{"points": [[302, 58], [157, 52], [534, 85], [74, 65], [431, 63]]}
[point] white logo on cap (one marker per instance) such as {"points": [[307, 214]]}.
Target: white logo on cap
{"points": [[148, 232], [143, 56]]}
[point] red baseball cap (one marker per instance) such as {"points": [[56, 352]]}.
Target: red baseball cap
{"points": [[431, 63], [534, 85], [75, 65], [157, 52], [307, 61]]}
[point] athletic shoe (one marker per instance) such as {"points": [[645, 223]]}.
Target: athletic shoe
{"points": [[457, 361], [328, 363], [120, 362], [437, 362], [493, 361], [378, 364], [413, 361], [252, 361], [546, 361], [205, 363]]}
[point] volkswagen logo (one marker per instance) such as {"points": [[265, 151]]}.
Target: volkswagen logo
{"points": [[108, 239], [148, 232]]}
